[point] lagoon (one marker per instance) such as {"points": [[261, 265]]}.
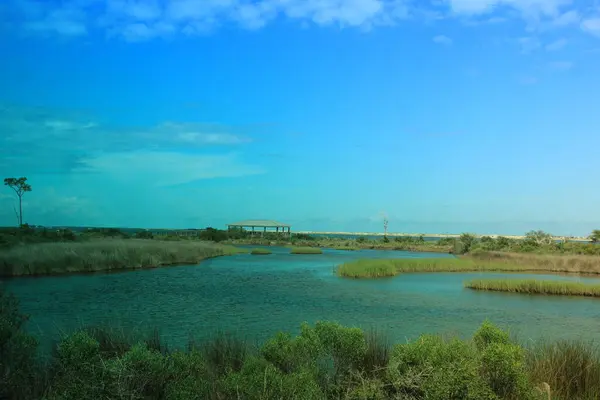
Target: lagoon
{"points": [[254, 297]]}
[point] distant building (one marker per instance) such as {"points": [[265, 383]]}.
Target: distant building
{"points": [[262, 226]]}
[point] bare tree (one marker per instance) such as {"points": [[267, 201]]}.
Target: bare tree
{"points": [[385, 225], [20, 186]]}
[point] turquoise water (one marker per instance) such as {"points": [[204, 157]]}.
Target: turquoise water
{"points": [[255, 296]]}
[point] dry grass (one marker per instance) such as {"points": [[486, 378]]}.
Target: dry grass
{"points": [[380, 268], [532, 286], [543, 262], [306, 250], [104, 255]]}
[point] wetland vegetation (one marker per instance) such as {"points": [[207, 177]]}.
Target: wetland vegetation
{"points": [[107, 254], [380, 268], [261, 251], [532, 286], [324, 361], [306, 250]]}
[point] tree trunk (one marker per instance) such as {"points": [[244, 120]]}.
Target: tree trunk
{"points": [[20, 211]]}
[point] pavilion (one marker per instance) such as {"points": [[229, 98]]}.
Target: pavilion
{"points": [[261, 223]]}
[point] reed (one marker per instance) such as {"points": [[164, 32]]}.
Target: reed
{"points": [[261, 251], [532, 286], [570, 369], [306, 250], [380, 268], [105, 255]]}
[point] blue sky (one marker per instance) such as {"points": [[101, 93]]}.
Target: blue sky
{"points": [[446, 116]]}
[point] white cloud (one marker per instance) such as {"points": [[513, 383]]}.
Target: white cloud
{"points": [[136, 20], [529, 8], [441, 39], [570, 17], [556, 45], [166, 168], [591, 25]]}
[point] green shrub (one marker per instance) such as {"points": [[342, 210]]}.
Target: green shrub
{"points": [[503, 369], [291, 354], [190, 377], [19, 376], [432, 368], [140, 373], [488, 334], [223, 353], [260, 379]]}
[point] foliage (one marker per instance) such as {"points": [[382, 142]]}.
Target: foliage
{"points": [[18, 370], [213, 235], [324, 361], [20, 187], [144, 235], [10, 237], [595, 236]]}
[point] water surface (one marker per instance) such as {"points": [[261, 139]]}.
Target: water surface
{"points": [[255, 296]]}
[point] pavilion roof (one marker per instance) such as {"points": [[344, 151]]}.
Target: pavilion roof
{"points": [[259, 223]]}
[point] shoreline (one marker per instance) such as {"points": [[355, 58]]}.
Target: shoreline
{"points": [[432, 235]]}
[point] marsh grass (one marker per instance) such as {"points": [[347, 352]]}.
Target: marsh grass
{"points": [[306, 250], [560, 263], [571, 369], [532, 286], [105, 255], [261, 251], [381, 268]]}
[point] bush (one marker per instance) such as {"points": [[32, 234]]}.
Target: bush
{"points": [[213, 235], [19, 378], [324, 361]]}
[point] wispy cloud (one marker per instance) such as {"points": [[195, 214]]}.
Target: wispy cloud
{"points": [[166, 168], [47, 140], [591, 25], [443, 40], [137, 20], [556, 45]]}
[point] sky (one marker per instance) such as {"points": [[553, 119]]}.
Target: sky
{"points": [[444, 116]]}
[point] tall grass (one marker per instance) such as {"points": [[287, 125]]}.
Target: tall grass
{"points": [[544, 262], [380, 268], [306, 250], [532, 286], [260, 252], [104, 255], [570, 369]]}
